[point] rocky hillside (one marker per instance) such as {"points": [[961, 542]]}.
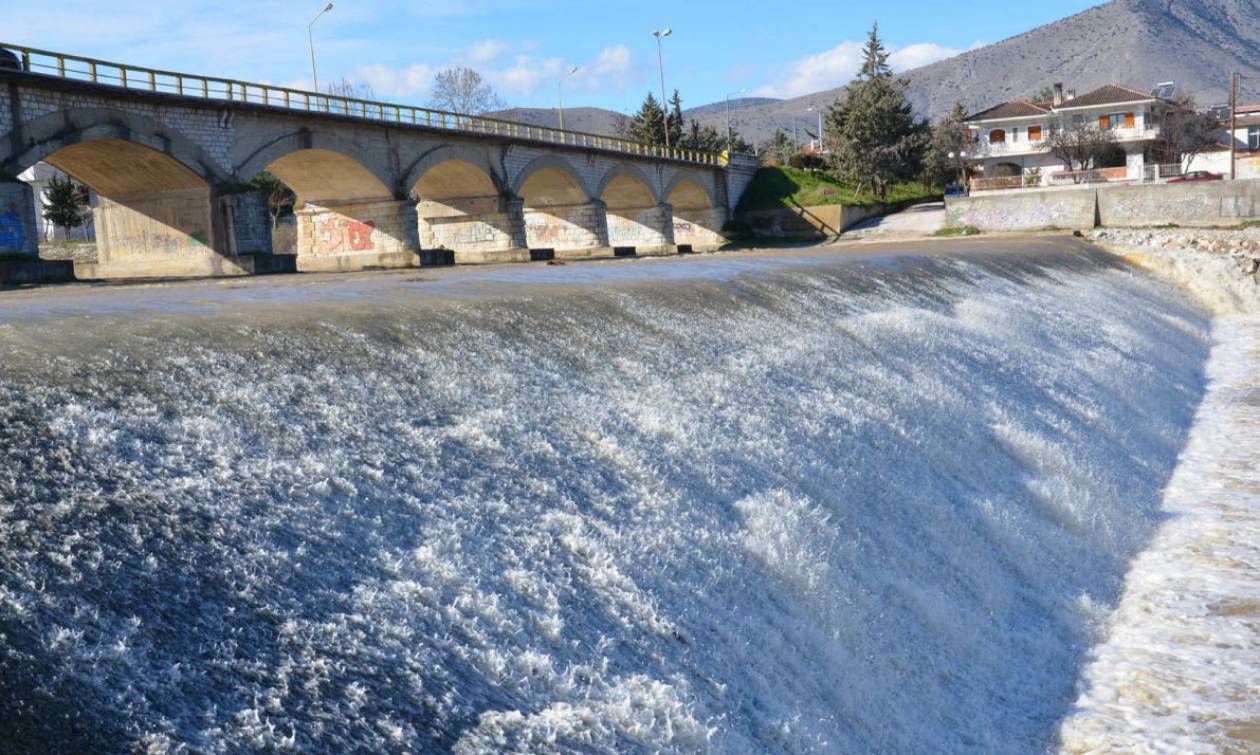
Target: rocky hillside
{"points": [[1196, 43]]}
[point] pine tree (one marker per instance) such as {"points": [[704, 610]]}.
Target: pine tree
{"points": [[945, 162], [876, 140], [675, 120], [648, 125], [66, 202]]}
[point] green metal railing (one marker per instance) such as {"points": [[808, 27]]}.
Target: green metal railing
{"points": [[77, 68]]}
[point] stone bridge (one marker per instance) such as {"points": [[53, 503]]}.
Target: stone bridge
{"points": [[170, 157]]}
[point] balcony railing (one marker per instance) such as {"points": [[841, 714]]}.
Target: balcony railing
{"points": [[1041, 146], [123, 76]]}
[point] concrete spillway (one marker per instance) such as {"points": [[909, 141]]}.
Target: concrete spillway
{"points": [[792, 503]]}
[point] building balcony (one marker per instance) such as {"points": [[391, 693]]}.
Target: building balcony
{"points": [[1015, 148]]}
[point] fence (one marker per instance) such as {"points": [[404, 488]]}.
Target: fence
{"points": [[75, 68]]}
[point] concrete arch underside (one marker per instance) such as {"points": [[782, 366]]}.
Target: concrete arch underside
{"points": [[461, 206], [560, 214], [637, 222]]}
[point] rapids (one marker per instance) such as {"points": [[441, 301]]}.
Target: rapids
{"points": [[793, 503]]}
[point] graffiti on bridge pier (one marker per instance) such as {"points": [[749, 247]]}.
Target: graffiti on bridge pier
{"points": [[12, 234], [342, 235]]}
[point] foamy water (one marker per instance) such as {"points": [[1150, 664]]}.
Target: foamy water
{"points": [[814, 506], [1180, 670]]}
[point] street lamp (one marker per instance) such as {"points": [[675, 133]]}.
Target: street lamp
{"points": [[730, 134], [820, 126], [310, 38], [660, 59], [560, 94]]}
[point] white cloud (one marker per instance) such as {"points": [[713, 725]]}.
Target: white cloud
{"points": [[837, 67], [485, 51], [412, 81], [921, 54]]}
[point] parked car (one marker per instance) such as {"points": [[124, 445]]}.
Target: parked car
{"points": [[9, 60], [955, 191], [1197, 175]]}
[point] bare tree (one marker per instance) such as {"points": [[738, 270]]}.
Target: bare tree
{"points": [[1185, 132], [349, 89], [1081, 148], [462, 90]]}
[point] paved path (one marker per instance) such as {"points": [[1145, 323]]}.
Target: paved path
{"points": [[919, 220]]}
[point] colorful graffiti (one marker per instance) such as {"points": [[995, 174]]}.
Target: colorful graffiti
{"points": [[340, 235], [12, 234]]}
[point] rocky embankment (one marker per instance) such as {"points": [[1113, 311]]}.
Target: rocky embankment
{"points": [[1221, 267]]}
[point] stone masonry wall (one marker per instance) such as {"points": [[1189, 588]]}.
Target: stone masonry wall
{"points": [[357, 236], [700, 229], [647, 228], [566, 228]]}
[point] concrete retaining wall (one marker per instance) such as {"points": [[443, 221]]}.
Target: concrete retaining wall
{"points": [[1024, 211], [1204, 203], [814, 222]]}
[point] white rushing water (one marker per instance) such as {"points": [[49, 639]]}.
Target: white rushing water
{"points": [[824, 506]]}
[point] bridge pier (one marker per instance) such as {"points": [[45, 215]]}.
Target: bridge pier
{"points": [[177, 233], [647, 230], [477, 229], [571, 231], [700, 229], [357, 236], [19, 235]]}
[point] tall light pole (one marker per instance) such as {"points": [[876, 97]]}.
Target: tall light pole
{"points": [[660, 59], [560, 94], [820, 126], [730, 133], [310, 38]]}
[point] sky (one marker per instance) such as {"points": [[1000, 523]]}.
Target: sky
{"points": [[522, 47]]}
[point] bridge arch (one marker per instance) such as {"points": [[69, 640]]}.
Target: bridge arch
{"points": [[557, 207], [321, 168], [454, 161], [68, 136], [636, 219], [462, 205], [698, 218]]}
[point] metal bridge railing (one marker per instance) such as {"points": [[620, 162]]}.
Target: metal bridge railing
{"points": [[77, 68]]}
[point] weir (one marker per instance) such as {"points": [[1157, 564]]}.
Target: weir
{"points": [[744, 504]]}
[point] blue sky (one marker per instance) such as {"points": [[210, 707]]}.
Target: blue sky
{"points": [[521, 47]]}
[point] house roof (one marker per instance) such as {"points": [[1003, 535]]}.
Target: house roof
{"points": [[1108, 94], [1247, 120], [1016, 109], [1250, 108], [1104, 95]]}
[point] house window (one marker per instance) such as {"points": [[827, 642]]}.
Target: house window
{"points": [[997, 136], [1253, 137], [1034, 133], [1117, 120]]}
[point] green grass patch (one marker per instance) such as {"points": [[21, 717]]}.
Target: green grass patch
{"points": [[783, 186], [966, 230]]}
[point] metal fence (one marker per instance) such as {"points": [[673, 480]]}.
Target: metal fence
{"points": [[120, 75]]}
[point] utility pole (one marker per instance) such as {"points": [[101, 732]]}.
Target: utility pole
{"points": [[1233, 127], [660, 59]]}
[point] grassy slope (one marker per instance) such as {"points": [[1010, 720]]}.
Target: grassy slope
{"points": [[788, 187]]}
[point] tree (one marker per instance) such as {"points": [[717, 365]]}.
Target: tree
{"points": [[648, 125], [1045, 95], [675, 123], [350, 90], [1082, 148], [778, 150], [874, 136], [1185, 132], [462, 90], [66, 202], [280, 198], [946, 161]]}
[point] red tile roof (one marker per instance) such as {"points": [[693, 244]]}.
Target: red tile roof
{"points": [[1016, 109], [1103, 95]]}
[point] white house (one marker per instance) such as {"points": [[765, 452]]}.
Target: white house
{"points": [[1010, 142]]}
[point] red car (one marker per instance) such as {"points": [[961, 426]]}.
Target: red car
{"points": [[1197, 175]]}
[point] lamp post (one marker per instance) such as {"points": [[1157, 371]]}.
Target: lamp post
{"points": [[820, 126], [310, 38], [730, 133], [560, 94], [660, 59]]}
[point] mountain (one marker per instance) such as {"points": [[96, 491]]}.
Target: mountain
{"points": [[1196, 43], [592, 120]]}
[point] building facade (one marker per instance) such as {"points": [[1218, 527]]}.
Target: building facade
{"points": [[1011, 142]]}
